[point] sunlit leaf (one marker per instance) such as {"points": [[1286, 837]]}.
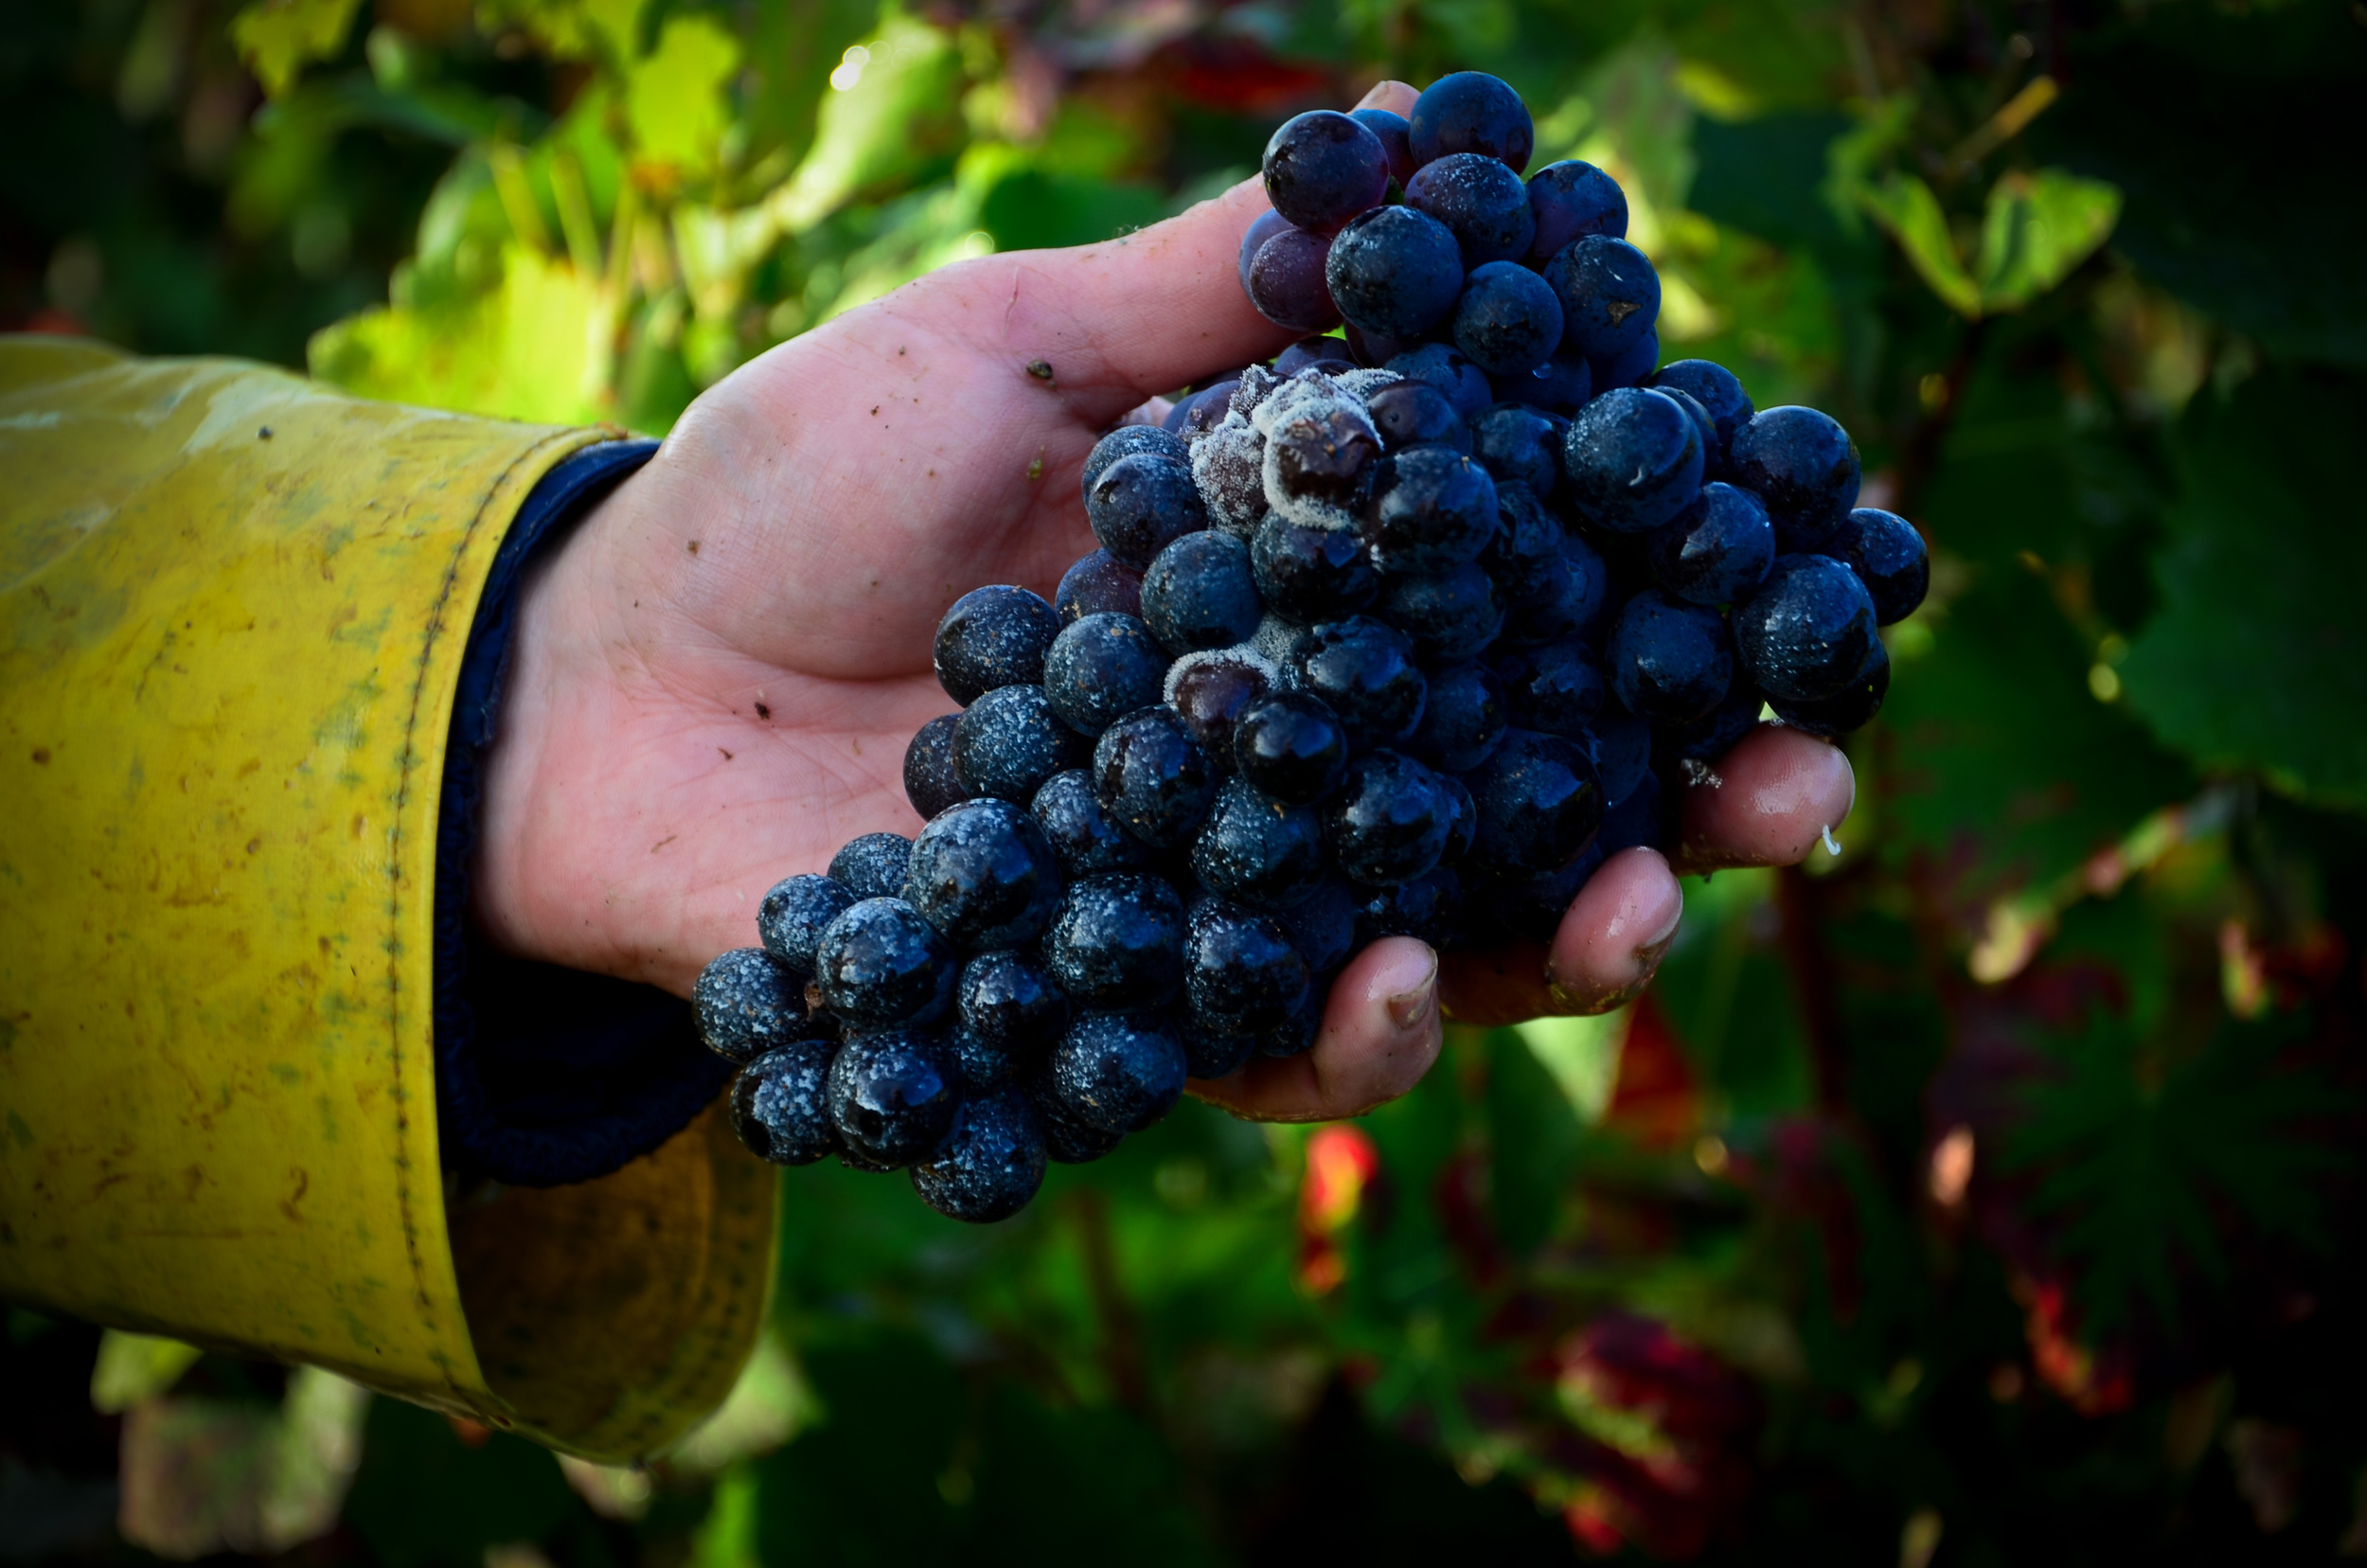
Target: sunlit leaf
{"points": [[570, 30], [673, 100], [1908, 213], [886, 119], [278, 38], [2038, 228]]}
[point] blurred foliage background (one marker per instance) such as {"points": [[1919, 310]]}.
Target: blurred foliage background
{"points": [[1987, 1192]]}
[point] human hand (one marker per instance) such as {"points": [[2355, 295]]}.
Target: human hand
{"points": [[713, 680]]}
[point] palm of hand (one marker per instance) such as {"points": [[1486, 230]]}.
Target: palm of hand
{"points": [[716, 680]]}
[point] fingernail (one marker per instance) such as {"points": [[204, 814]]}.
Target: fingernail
{"points": [[1411, 987]]}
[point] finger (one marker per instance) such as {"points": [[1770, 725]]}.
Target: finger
{"points": [[1609, 944], [1381, 1034], [1395, 96], [1767, 802]]}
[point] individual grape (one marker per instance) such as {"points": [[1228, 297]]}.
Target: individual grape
{"points": [[993, 637], [1427, 909], [1431, 508], [1630, 367], [1198, 593], [1241, 975], [1807, 632], [1529, 909], [1573, 592], [881, 964], [1152, 777], [780, 1106], [978, 1067], [1299, 1031], [1560, 386], [1099, 584], [1396, 139], [1555, 688], [1852, 707], [1716, 551], [1202, 411], [1119, 1072], [1634, 460], [1669, 661], [1622, 750], [1258, 849], [1414, 413], [1323, 925], [1128, 441], [1508, 322], [1307, 573], [1261, 228], [1540, 802], [1008, 742], [931, 782], [1451, 614], [1708, 738], [1117, 942], [1389, 820], [990, 1163], [790, 919], [1633, 822], [1394, 271], [1372, 349], [1463, 720], [1141, 504], [873, 866], [1703, 426], [1066, 1137], [892, 1096], [1528, 538], [1318, 443], [747, 1003], [1570, 200], [1715, 389], [1011, 1005], [1084, 837], [1105, 667], [1208, 691], [1323, 167], [1482, 202], [1519, 445], [985, 875], [1364, 670], [1319, 353], [1439, 366], [1291, 746], [1888, 555], [1229, 466], [1208, 1054], [1803, 466], [1288, 281], [1471, 112], [1610, 295]]}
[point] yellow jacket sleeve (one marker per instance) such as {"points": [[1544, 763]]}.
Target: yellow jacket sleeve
{"points": [[233, 608]]}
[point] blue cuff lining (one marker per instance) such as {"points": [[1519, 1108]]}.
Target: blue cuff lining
{"points": [[543, 1076]]}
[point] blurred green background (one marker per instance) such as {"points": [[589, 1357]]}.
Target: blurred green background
{"points": [[1985, 1193]]}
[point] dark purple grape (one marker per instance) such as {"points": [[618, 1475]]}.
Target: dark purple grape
{"points": [[993, 637], [1610, 295], [1396, 139], [1508, 321], [1318, 447], [1540, 802], [1323, 167], [1631, 367], [1715, 389], [1431, 508], [1287, 281], [1465, 828], [1622, 749], [1463, 721], [1555, 688], [985, 875], [1716, 551], [1291, 745], [1481, 201], [780, 1106], [1389, 820], [1394, 271], [1670, 662], [792, 918], [1804, 465], [881, 964], [1317, 353], [1450, 612], [1323, 925], [1119, 1072], [1085, 837], [931, 781], [990, 1163], [1010, 1001], [1150, 774], [1097, 585], [1634, 459], [1414, 413], [1117, 942], [1127, 441], [747, 1001], [1104, 668], [1560, 386], [1210, 1055], [1067, 1138], [873, 865], [1708, 738], [1258, 849], [1261, 228], [1888, 555], [1807, 632], [1427, 909], [892, 1096], [1460, 382], [1208, 691], [1471, 112], [1517, 445], [1526, 542], [1570, 200], [1364, 670], [1008, 742], [1200, 594], [1195, 413], [1851, 707], [1241, 975], [1298, 1033], [1143, 504], [1372, 350], [1309, 575], [1530, 909]]}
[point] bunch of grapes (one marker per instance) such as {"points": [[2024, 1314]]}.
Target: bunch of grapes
{"points": [[1400, 634]]}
